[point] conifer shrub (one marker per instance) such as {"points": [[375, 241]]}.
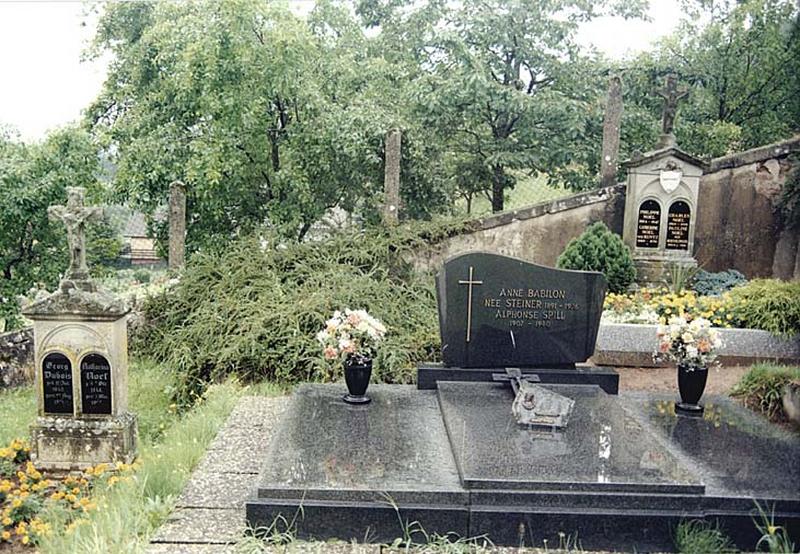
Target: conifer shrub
{"points": [[768, 304], [599, 249], [706, 283], [253, 310]]}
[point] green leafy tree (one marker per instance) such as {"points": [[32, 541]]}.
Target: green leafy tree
{"points": [[508, 83], [266, 116], [599, 249], [739, 60], [33, 250]]}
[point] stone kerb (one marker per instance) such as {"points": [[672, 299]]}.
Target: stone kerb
{"points": [[755, 155], [633, 345]]}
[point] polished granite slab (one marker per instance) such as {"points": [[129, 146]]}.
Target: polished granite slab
{"points": [[602, 449], [734, 451], [623, 474], [395, 446]]}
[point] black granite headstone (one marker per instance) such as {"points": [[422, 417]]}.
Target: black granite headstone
{"points": [[496, 311], [678, 218], [648, 224], [57, 384], [95, 385]]}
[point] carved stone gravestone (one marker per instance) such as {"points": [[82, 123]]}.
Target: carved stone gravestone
{"points": [[661, 201], [500, 312], [81, 353]]}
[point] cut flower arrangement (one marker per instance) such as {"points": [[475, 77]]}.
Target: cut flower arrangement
{"points": [[351, 334], [688, 343]]}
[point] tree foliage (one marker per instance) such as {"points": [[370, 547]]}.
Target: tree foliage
{"points": [[33, 250], [739, 60]]}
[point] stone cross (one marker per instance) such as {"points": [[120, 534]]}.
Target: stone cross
{"points": [[74, 216], [671, 95]]}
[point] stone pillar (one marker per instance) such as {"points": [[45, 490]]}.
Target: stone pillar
{"points": [[177, 225], [611, 126], [391, 181]]}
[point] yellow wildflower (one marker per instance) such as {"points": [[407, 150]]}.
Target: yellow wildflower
{"points": [[6, 536], [7, 521], [16, 503], [26, 539]]}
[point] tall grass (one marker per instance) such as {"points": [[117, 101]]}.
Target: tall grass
{"points": [[170, 446], [17, 411]]}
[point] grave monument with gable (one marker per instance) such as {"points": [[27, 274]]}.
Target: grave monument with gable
{"points": [[661, 201], [81, 356]]}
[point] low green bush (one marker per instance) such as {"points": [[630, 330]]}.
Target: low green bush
{"points": [[706, 283], [254, 310], [768, 304], [599, 249], [761, 388]]}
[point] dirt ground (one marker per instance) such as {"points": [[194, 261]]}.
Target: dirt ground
{"points": [[720, 380]]}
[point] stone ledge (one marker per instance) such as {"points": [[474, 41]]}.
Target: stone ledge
{"points": [[755, 155], [621, 344]]}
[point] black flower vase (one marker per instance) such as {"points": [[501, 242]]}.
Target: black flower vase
{"points": [[357, 371], [691, 384]]}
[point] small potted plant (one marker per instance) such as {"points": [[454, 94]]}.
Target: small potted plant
{"points": [[692, 345], [352, 337]]}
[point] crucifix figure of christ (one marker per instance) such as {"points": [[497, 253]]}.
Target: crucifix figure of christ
{"points": [[74, 216], [470, 283], [671, 95]]}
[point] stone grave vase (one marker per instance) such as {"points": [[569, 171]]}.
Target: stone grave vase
{"points": [[357, 371], [691, 384]]}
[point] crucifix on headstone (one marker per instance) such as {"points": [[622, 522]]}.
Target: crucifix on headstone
{"points": [[74, 216], [671, 95], [535, 405], [470, 282]]}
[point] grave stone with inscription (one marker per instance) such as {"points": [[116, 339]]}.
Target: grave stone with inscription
{"points": [[81, 353], [500, 312], [661, 201]]}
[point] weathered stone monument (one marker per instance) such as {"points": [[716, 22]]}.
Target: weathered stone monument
{"points": [[619, 471], [177, 225], [661, 201], [81, 357], [391, 181]]}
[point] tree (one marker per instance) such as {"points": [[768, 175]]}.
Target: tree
{"points": [[740, 62], [33, 250], [507, 81], [267, 117]]}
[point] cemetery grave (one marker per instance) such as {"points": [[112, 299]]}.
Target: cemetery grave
{"points": [[449, 455]]}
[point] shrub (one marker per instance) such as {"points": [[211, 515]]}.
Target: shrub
{"points": [[254, 310], [761, 388], [713, 284], [599, 249], [768, 304]]}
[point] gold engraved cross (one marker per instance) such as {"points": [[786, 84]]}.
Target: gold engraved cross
{"points": [[469, 282]]}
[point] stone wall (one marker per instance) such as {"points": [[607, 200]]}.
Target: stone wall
{"points": [[16, 358], [538, 233], [738, 224]]}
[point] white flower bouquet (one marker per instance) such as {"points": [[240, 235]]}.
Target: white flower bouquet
{"points": [[689, 343], [352, 333]]}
